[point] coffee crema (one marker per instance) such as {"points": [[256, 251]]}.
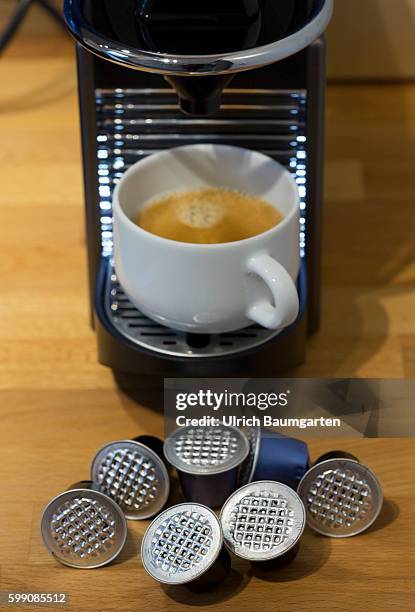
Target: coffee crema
{"points": [[207, 215]]}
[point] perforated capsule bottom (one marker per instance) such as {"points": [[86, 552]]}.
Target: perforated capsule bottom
{"points": [[129, 478], [261, 522], [342, 497], [181, 542], [206, 450], [206, 446], [83, 527], [132, 475]]}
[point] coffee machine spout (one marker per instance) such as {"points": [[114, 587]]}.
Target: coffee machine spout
{"points": [[199, 96]]}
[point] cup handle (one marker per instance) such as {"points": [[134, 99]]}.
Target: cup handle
{"points": [[283, 289]]}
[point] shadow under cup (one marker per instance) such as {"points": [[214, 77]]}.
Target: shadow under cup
{"points": [[209, 288]]}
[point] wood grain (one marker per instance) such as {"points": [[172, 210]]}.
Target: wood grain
{"points": [[388, 53], [58, 404]]}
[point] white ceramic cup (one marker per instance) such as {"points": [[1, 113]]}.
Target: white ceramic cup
{"points": [[209, 288]]}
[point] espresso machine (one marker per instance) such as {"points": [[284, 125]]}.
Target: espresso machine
{"points": [[155, 74]]}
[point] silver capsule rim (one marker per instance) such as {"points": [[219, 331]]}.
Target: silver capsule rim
{"points": [[152, 510], [201, 568], [258, 556], [205, 470], [73, 493], [375, 485]]}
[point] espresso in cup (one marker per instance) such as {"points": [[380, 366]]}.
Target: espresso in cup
{"points": [[233, 256], [207, 215]]}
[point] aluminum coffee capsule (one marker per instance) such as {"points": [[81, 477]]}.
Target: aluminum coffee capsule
{"points": [[83, 528], [207, 460], [156, 445], [263, 521], [341, 496], [134, 476], [184, 545], [276, 457]]}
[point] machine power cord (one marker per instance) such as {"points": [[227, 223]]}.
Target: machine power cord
{"points": [[18, 16]]}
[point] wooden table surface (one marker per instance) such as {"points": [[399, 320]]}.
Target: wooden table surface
{"points": [[58, 404]]}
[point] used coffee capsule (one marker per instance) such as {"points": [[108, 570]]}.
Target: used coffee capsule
{"points": [[184, 546], [83, 528], [207, 460], [275, 457], [134, 476], [263, 523], [341, 496], [155, 444]]}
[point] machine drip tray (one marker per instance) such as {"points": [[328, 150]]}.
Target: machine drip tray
{"points": [[144, 333]]}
